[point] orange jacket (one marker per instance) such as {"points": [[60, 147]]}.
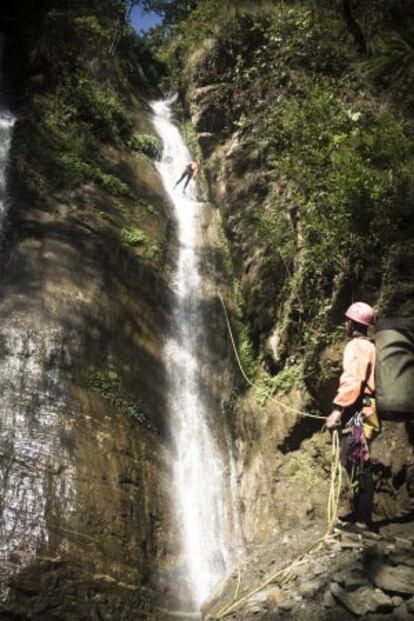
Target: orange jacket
{"points": [[358, 368]]}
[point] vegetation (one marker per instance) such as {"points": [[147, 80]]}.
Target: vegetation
{"points": [[146, 143], [132, 236], [86, 102], [283, 382], [323, 126], [107, 385], [245, 345]]}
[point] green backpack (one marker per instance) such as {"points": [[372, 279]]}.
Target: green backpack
{"points": [[394, 368]]}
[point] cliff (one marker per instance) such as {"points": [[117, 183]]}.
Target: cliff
{"points": [[309, 160], [85, 527]]}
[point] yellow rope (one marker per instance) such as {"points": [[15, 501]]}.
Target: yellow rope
{"points": [[268, 394], [284, 575]]}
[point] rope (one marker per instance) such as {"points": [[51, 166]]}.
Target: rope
{"points": [[285, 574], [268, 394]]}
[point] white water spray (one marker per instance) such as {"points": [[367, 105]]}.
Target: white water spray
{"points": [[200, 482], [6, 128]]}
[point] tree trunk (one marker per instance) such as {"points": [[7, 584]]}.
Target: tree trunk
{"points": [[353, 26]]}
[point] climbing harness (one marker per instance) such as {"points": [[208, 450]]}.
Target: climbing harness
{"points": [[356, 443]]}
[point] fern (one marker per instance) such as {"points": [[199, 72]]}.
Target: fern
{"points": [[393, 59]]}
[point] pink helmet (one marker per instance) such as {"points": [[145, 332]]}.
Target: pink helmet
{"points": [[361, 313]]}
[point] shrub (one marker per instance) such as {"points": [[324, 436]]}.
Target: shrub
{"points": [[283, 382], [107, 385], [112, 184], [146, 143], [132, 236], [76, 169], [84, 100]]}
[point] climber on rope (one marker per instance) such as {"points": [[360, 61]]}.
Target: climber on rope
{"points": [[355, 411], [191, 172]]}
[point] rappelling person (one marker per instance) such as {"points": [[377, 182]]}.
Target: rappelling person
{"points": [[355, 412], [191, 172]]}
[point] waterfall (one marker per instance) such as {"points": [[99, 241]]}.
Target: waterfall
{"points": [[201, 499], [6, 127]]}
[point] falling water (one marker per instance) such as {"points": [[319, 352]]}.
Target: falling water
{"points": [[6, 127], [200, 497]]}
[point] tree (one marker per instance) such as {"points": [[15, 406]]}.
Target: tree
{"points": [[170, 10]]}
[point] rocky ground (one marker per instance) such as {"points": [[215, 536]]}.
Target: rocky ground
{"points": [[369, 576]]}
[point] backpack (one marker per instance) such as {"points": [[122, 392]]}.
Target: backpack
{"points": [[394, 367]]}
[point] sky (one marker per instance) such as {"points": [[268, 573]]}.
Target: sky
{"points": [[143, 20]]}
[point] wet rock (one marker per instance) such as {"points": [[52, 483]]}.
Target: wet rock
{"points": [[397, 579], [363, 600]]}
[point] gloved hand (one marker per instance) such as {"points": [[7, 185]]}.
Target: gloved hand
{"points": [[333, 419]]}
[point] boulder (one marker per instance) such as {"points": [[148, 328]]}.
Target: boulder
{"points": [[396, 579], [207, 142], [207, 109], [308, 588], [363, 601], [410, 605]]}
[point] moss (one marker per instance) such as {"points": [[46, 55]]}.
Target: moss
{"points": [[107, 385], [132, 236], [146, 143], [283, 382]]}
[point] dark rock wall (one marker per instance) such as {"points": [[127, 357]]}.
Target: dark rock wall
{"points": [[85, 526]]}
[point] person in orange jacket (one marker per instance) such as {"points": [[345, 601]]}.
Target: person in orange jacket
{"points": [[353, 408]]}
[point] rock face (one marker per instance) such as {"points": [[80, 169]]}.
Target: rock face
{"points": [[283, 463], [396, 579], [333, 581], [85, 525], [85, 520]]}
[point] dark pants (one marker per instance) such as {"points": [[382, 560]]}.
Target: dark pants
{"points": [[361, 484], [187, 174]]}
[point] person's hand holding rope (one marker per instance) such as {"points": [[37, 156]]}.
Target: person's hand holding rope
{"points": [[334, 419]]}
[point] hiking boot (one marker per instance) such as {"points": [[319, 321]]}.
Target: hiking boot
{"points": [[348, 518], [358, 528], [370, 527]]}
